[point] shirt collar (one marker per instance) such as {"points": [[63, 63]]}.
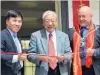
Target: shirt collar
{"points": [[12, 33], [86, 27], [53, 33]]}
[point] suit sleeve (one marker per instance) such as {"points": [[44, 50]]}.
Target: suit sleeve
{"points": [[5, 57], [67, 49], [33, 50], [68, 53], [97, 50]]}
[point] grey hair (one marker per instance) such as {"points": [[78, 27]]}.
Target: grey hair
{"points": [[48, 12]]}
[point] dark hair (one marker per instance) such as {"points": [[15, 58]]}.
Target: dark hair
{"points": [[13, 13]]}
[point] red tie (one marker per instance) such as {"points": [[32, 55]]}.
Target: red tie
{"points": [[52, 52]]}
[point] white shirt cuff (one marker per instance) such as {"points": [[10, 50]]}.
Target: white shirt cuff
{"points": [[15, 58]]}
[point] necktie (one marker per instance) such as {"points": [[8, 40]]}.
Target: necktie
{"points": [[82, 29], [18, 45], [82, 55], [52, 52]]}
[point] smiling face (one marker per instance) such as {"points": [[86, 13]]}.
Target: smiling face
{"points": [[85, 16], [49, 21], [14, 23]]}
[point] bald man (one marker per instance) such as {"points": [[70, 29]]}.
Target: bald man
{"points": [[85, 43], [53, 44]]}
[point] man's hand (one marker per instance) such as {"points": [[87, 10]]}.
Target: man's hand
{"points": [[60, 57], [45, 58], [89, 52], [22, 56]]}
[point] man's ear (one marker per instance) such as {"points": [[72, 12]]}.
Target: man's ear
{"points": [[43, 23], [91, 22], [6, 21], [91, 16]]}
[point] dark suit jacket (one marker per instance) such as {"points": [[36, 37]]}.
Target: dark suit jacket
{"points": [[96, 56], [8, 45]]}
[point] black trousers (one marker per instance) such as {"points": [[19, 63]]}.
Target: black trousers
{"points": [[56, 71], [86, 71]]}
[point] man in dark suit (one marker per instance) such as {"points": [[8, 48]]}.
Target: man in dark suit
{"points": [[11, 62], [53, 44], [85, 43]]}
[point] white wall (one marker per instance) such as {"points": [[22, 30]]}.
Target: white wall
{"points": [[70, 12], [95, 6]]}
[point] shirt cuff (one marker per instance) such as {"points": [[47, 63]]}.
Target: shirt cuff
{"points": [[15, 58]]}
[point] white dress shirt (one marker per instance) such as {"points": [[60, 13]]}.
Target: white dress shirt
{"points": [[53, 38]]}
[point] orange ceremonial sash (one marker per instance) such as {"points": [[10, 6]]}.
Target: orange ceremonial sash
{"points": [[77, 66]]}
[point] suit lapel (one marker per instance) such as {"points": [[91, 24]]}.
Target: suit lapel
{"points": [[44, 40], [11, 39]]}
